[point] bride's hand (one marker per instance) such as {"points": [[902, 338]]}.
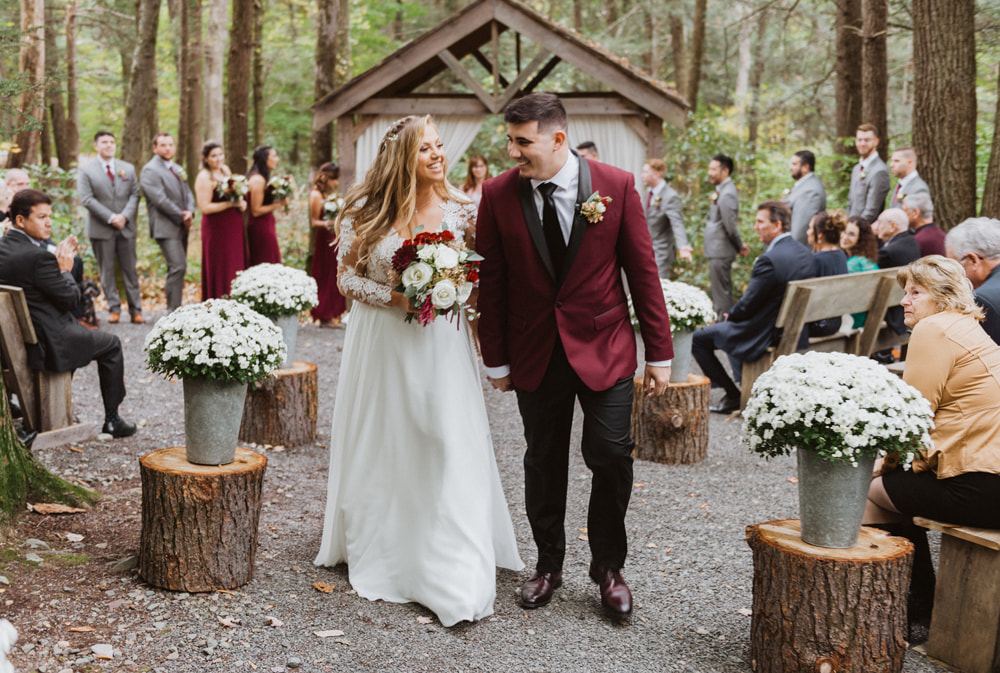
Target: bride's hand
{"points": [[401, 301]]}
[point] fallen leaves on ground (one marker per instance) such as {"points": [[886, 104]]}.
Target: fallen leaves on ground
{"points": [[333, 633], [52, 508], [324, 587], [82, 629], [74, 537], [229, 621], [793, 480], [274, 621], [425, 620], [745, 611]]}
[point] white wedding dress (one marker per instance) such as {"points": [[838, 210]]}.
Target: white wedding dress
{"points": [[414, 502]]}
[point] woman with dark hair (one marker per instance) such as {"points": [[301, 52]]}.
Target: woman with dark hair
{"points": [[222, 246], [824, 236], [859, 242], [479, 171], [262, 238], [324, 245]]}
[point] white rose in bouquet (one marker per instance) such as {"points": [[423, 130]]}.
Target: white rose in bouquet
{"points": [[445, 257], [444, 294], [417, 275], [464, 291]]}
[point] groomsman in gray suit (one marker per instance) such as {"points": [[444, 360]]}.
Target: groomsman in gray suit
{"points": [[109, 190], [170, 205], [722, 233], [807, 196], [869, 179], [903, 165], [664, 218]]}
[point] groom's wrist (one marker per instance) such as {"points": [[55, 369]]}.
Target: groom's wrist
{"points": [[498, 372], [659, 363]]}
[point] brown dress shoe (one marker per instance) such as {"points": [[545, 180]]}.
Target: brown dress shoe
{"points": [[537, 591], [138, 319], [113, 318], [615, 595]]}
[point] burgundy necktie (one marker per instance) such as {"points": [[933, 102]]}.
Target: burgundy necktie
{"points": [[110, 174], [649, 199]]}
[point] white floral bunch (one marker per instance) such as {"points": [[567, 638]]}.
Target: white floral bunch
{"points": [[437, 273], [274, 290], [688, 306], [282, 187], [217, 339], [232, 188], [842, 406], [332, 206]]}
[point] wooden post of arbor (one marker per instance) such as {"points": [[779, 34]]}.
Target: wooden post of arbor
{"points": [[281, 410], [819, 610], [672, 428], [199, 522]]}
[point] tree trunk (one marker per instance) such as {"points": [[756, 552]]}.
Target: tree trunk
{"points": [[756, 77], [578, 15], [31, 64], [199, 522], [991, 190], [258, 72], [824, 610], [140, 110], [72, 91], [183, 11], [328, 21], [190, 152], [677, 47], [281, 410], [875, 71], [744, 65], [610, 13], [238, 80], [23, 479], [944, 105], [848, 67], [697, 53], [653, 58], [214, 55], [54, 93], [672, 428]]}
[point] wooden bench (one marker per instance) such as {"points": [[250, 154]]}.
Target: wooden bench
{"points": [[45, 397], [814, 299], [965, 624]]}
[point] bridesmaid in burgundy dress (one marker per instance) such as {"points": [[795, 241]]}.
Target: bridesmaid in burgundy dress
{"points": [[222, 249], [324, 262], [262, 238]]}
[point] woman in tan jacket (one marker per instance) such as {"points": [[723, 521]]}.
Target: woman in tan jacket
{"points": [[956, 366]]}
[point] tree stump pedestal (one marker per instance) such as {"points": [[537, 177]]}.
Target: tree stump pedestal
{"points": [[199, 522], [281, 410], [672, 428], [822, 610]]}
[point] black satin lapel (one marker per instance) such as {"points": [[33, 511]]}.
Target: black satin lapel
{"points": [[525, 193], [583, 192]]}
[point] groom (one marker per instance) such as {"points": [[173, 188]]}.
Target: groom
{"points": [[555, 328]]}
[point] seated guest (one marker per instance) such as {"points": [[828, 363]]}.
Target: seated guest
{"points": [[919, 211], [953, 363], [823, 234], [975, 243], [899, 249], [63, 344], [749, 328], [861, 246]]}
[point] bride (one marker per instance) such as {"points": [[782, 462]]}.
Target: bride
{"points": [[414, 502]]}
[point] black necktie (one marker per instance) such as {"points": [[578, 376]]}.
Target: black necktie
{"points": [[550, 225]]}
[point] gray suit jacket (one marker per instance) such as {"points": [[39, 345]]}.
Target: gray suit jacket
{"points": [[722, 231], [916, 186], [167, 195], [867, 196], [103, 198], [808, 197], [666, 224]]}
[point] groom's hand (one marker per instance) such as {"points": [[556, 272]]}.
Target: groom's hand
{"points": [[506, 384], [655, 380]]}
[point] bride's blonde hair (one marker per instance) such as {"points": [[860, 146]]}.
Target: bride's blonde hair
{"points": [[389, 190]]}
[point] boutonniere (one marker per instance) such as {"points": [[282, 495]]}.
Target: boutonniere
{"points": [[121, 174], [180, 173], [862, 174], [902, 196], [593, 208], [714, 197], [786, 192], [657, 200]]}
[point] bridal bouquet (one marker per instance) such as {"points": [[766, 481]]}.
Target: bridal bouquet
{"points": [[688, 307], [437, 273], [232, 188], [282, 187], [332, 206], [841, 406], [217, 339], [275, 290]]}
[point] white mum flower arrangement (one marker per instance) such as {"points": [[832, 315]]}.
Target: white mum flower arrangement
{"points": [[841, 406], [688, 306], [217, 339], [275, 290]]}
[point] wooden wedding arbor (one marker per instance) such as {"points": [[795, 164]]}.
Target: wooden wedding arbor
{"points": [[471, 37]]}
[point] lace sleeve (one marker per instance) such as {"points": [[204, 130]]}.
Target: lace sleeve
{"points": [[358, 287]]}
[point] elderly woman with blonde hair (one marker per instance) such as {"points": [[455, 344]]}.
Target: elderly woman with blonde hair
{"points": [[956, 366]]}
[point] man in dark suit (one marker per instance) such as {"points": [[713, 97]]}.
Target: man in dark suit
{"points": [[870, 177], [109, 191], [975, 243], [807, 196], [664, 218], [749, 329], [63, 344], [903, 165], [170, 205], [899, 249], [555, 327], [722, 240]]}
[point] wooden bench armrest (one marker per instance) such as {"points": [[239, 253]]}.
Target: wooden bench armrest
{"points": [[984, 537]]}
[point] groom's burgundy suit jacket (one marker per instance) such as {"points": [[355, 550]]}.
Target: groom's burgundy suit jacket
{"points": [[525, 304]]}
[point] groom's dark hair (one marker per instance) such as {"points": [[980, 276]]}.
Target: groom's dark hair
{"points": [[545, 108]]}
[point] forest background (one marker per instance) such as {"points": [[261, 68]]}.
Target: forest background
{"points": [[765, 78]]}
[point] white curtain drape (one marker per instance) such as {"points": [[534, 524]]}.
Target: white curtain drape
{"points": [[457, 133], [617, 143]]}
